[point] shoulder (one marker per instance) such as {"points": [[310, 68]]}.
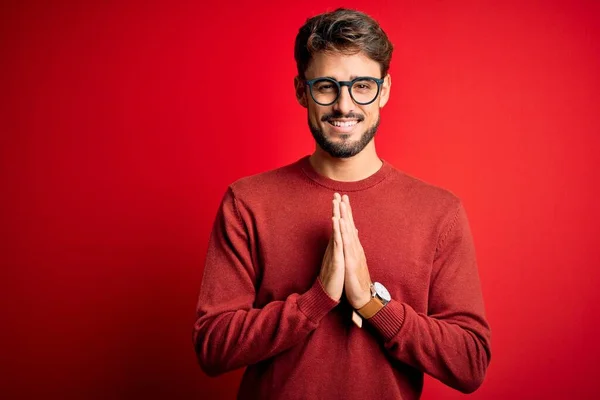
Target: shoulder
{"points": [[426, 201], [266, 182], [431, 205], [426, 193]]}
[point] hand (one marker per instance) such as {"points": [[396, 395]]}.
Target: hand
{"points": [[357, 281], [332, 269]]}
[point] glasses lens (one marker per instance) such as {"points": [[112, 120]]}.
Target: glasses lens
{"points": [[364, 90], [324, 91]]}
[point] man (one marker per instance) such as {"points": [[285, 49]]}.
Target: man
{"points": [[339, 276]]}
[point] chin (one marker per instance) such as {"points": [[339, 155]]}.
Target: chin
{"points": [[343, 144], [343, 137]]}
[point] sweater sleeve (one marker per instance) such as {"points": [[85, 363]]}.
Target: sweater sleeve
{"points": [[229, 331], [452, 342]]}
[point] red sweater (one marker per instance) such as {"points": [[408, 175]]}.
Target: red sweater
{"points": [[261, 305]]}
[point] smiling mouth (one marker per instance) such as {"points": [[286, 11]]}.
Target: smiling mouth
{"points": [[343, 123]]}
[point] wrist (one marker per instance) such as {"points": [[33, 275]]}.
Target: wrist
{"points": [[378, 299], [362, 301]]}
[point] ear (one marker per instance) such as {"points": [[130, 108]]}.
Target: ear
{"points": [[300, 88], [385, 90]]}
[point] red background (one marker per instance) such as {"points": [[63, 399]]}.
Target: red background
{"points": [[122, 125]]}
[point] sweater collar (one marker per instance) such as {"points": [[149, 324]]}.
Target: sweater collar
{"points": [[342, 186]]}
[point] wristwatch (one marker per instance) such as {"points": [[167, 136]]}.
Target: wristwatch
{"points": [[379, 298]]}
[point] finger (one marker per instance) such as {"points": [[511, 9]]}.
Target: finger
{"points": [[351, 217], [343, 210], [350, 213], [338, 245], [355, 232], [346, 239], [351, 230], [348, 230], [335, 227], [349, 252], [336, 208], [346, 201], [337, 236]]}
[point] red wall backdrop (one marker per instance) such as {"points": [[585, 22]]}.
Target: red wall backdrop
{"points": [[122, 125]]}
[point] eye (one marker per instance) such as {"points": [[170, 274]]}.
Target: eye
{"points": [[325, 86], [363, 85]]}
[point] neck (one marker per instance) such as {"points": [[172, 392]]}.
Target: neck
{"points": [[351, 169]]}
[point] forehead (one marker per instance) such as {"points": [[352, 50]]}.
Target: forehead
{"points": [[342, 66]]}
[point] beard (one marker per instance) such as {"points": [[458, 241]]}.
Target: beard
{"points": [[345, 149]]}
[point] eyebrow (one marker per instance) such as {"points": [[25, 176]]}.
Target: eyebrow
{"points": [[352, 77]]}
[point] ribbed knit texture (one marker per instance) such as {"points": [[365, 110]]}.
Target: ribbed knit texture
{"points": [[261, 305]]}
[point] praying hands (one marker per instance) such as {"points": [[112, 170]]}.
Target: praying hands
{"points": [[344, 267]]}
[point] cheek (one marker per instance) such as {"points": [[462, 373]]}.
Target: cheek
{"points": [[371, 114], [315, 114]]}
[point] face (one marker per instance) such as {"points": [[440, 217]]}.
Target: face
{"points": [[344, 128]]}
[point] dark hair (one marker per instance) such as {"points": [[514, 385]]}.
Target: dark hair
{"points": [[345, 31]]}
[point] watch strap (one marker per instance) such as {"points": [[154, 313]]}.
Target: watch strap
{"points": [[371, 308]]}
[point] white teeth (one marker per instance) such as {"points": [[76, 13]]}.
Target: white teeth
{"points": [[343, 123]]}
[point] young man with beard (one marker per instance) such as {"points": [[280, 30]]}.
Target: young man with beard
{"points": [[339, 276]]}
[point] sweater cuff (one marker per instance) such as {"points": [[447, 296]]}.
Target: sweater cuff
{"points": [[316, 303], [389, 320]]}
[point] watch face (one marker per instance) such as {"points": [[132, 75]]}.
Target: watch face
{"points": [[382, 291]]}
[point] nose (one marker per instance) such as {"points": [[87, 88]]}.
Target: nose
{"points": [[344, 103]]}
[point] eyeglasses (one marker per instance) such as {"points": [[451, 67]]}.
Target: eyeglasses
{"points": [[363, 90]]}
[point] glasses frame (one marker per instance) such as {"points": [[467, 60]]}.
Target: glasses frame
{"points": [[339, 85]]}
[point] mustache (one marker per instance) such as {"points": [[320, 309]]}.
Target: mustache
{"points": [[336, 115]]}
